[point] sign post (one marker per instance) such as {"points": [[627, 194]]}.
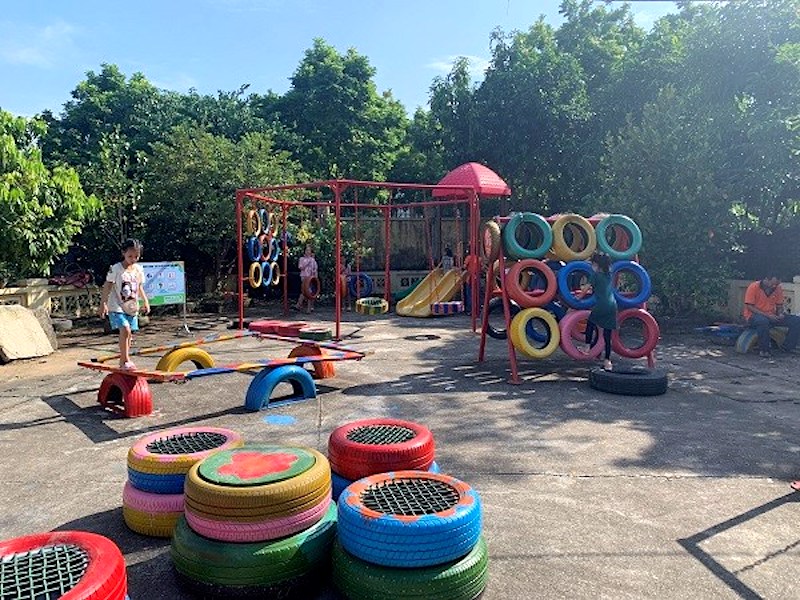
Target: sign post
{"points": [[165, 283]]}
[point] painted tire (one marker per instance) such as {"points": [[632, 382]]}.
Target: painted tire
{"points": [[445, 527], [202, 491], [311, 288], [567, 326], [94, 565], [514, 249], [323, 369], [126, 394], [644, 287], [447, 308], [174, 451], [520, 295], [364, 282], [156, 483], [339, 483], [175, 358], [151, 503], [265, 248], [267, 270], [261, 387], [264, 216], [496, 305], [565, 286], [372, 306], [160, 525], [633, 235], [315, 334], [263, 563], [253, 248], [276, 273], [491, 243], [256, 275], [562, 249], [252, 222], [235, 513], [461, 579], [257, 531], [524, 277], [274, 249], [748, 339], [519, 333], [651, 333], [370, 446]]}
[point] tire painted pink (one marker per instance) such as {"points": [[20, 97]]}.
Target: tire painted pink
{"points": [[139, 449], [651, 333], [151, 503], [569, 337], [258, 531]]}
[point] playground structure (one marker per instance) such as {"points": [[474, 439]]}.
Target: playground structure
{"points": [[532, 263], [461, 188]]}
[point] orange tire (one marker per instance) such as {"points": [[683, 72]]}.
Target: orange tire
{"points": [[322, 370]]}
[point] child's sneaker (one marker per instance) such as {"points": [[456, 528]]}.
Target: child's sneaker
{"points": [[129, 366]]}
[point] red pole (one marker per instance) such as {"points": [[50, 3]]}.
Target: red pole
{"points": [[387, 226], [512, 352], [285, 263], [474, 227], [239, 209], [485, 320], [337, 291]]}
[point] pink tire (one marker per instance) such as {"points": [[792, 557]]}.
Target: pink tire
{"points": [[258, 531], [190, 445], [569, 337], [148, 502], [651, 333]]}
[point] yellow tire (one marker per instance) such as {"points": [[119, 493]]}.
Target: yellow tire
{"points": [[252, 222], [562, 249], [276, 273], [250, 514], [175, 358], [519, 336], [256, 275], [200, 491], [154, 525]]}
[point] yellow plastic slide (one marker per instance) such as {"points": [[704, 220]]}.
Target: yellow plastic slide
{"points": [[437, 286]]}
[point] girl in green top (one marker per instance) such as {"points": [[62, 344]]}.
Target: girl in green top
{"points": [[604, 313]]}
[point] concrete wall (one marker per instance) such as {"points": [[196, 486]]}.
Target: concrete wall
{"points": [[737, 287]]}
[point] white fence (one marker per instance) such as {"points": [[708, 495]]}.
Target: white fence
{"points": [[59, 300]]}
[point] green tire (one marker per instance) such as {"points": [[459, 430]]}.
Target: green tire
{"points": [[633, 231], [463, 579], [514, 249]]}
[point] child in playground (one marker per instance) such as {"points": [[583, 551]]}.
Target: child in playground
{"points": [[308, 270], [604, 313], [447, 260], [122, 289], [347, 273]]}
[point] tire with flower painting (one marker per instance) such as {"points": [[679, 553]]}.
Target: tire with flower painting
{"points": [[409, 519]]}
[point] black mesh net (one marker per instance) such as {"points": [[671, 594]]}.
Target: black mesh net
{"points": [[410, 497], [381, 434], [42, 574], [187, 443]]}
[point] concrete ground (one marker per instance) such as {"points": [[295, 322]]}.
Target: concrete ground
{"points": [[585, 494]]}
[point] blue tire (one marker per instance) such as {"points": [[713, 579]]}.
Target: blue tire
{"points": [[254, 249], [267, 271], [263, 384], [263, 214], [644, 287], [364, 282], [565, 289], [157, 484], [274, 249]]}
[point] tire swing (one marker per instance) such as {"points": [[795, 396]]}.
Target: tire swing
{"points": [[542, 233], [643, 285], [256, 275], [569, 335], [491, 242], [372, 306], [574, 298], [311, 288], [627, 237], [521, 339], [67, 564], [175, 358], [651, 333], [567, 251], [535, 298]]}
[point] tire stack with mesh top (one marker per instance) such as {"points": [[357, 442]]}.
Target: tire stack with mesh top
{"points": [[152, 499], [369, 446], [258, 522]]}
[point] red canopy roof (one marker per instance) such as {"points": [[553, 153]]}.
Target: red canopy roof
{"points": [[485, 181]]}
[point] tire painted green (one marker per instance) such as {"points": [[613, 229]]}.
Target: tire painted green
{"points": [[626, 223], [514, 249], [257, 564], [462, 579]]}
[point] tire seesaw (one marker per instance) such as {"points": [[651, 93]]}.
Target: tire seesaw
{"points": [[127, 391]]}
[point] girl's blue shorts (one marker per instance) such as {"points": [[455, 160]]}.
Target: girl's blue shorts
{"points": [[119, 320]]}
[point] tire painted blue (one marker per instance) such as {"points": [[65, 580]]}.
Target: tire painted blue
{"points": [[263, 384], [264, 216], [557, 309], [339, 483], [266, 270], [155, 483], [254, 249], [274, 249], [645, 286], [564, 289], [365, 283]]}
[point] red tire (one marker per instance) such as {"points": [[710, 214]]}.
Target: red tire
{"points": [[531, 299], [370, 446], [311, 288], [127, 395], [651, 333], [104, 577], [322, 370]]}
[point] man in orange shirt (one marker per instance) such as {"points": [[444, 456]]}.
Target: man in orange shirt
{"points": [[763, 308]]}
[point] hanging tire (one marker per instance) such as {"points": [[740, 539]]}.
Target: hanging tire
{"points": [[322, 369], [520, 295], [375, 524], [175, 450], [629, 381], [311, 288], [519, 333], [496, 305], [255, 275], [633, 236], [491, 244], [516, 250], [461, 579], [651, 333], [359, 285], [644, 286], [563, 250], [175, 358], [567, 326], [370, 446], [276, 273], [79, 564], [565, 286], [252, 222], [267, 269], [253, 245], [125, 394]]}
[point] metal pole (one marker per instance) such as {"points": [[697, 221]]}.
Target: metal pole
{"points": [[285, 273], [338, 293], [387, 226], [239, 210]]}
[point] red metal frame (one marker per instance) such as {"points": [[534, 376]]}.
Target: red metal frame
{"points": [[467, 195]]}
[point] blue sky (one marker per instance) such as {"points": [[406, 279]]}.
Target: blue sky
{"points": [[46, 47]]}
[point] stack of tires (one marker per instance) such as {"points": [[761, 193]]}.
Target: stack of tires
{"points": [[262, 248], [152, 500], [259, 521], [410, 534], [369, 446], [546, 262]]}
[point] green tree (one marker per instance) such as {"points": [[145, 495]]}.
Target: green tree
{"points": [[41, 209]]}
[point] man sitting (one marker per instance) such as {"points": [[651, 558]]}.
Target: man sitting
{"points": [[763, 308]]}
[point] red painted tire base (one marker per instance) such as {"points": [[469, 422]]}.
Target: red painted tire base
{"points": [[104, 578], [128, 395]]}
